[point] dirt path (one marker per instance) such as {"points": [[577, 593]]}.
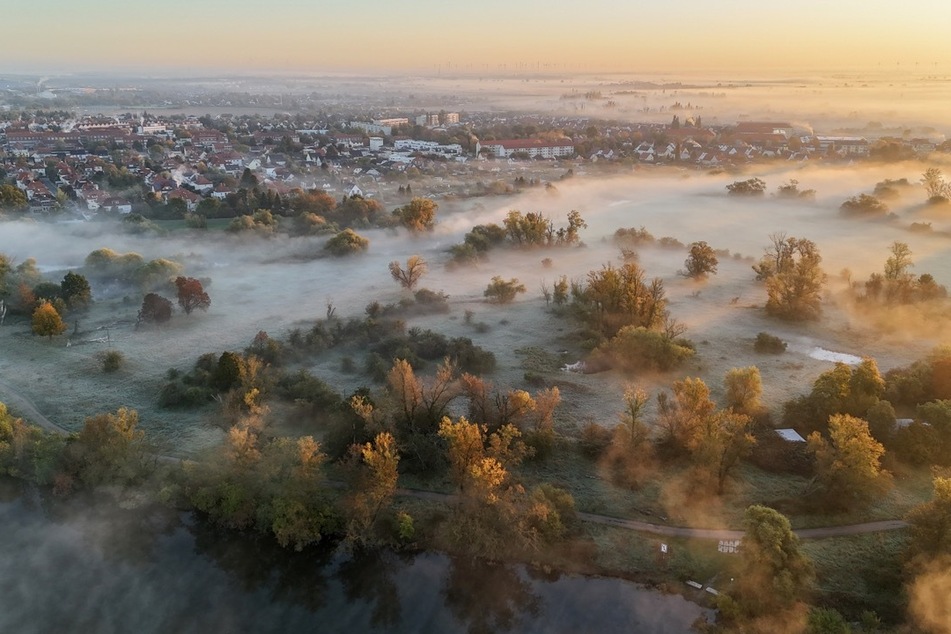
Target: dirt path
{"points": [[26, 409], [696, 533]]}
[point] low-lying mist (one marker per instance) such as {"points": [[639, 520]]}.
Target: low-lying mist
{"points": [[277, 283]]}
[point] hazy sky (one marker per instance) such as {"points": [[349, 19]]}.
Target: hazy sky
{"points": [[327, 35]]}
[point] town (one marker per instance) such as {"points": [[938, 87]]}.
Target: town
{"points": [[165, 167]]}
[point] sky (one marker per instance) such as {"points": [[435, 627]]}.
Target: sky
{"points": [[184, 36]]}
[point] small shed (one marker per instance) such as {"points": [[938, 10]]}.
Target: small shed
{"points": [[790, 435]]}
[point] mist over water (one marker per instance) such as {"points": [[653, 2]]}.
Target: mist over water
{"points": [[83, 565]]}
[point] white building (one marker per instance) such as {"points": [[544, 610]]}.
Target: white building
{"points": [[427, 147], [844, 145], [505, 148]]}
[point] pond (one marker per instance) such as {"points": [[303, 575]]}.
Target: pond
{"points": [[83, 566]]}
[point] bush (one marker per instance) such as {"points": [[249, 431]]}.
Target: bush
{"points": [[175, 394], [432, 301], [500, 291], [196, 221], [111, 360], [769, 344], [826, 621], [750, 187], [864, 205], [405, 530], [347, 242], [633, 236], [637, 348], [595, 439]]}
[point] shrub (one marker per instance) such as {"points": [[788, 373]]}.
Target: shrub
{"points": [[405, 530], [750, 187], [769, 344], [111, 360], [637, 348], [175, 394], [347, 242], [633, 236], [595, 439], [196, 221], [500, 291], [432, 300], [863, 205], [826, 621]]}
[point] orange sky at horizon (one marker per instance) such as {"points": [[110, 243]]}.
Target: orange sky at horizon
{"points": [[488, 36]]}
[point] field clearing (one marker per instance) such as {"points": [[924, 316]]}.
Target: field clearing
{"points": [[275, 284]]}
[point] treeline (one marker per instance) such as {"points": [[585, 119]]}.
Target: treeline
{"points": [[518, 230]]}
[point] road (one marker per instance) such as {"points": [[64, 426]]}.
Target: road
{"points": [[25, 408]]}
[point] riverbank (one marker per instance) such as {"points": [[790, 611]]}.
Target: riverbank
{"points": [[70, 564]]}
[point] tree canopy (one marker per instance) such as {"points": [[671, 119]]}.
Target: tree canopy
{"points": [[774, 571], [417, 215], [191, 295], [848, 464], [793, 276], [47, 321], [701, 262]]}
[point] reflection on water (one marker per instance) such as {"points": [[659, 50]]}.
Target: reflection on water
{"points": [[84, 566]]}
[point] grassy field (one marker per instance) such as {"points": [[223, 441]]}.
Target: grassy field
{"points": [[860, 572], [666, 497]]}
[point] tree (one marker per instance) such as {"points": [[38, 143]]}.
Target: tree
{"points": [[11, 198], [415, 269], [155, 308], [613, 298], [492, 509], [937, 189], [191, 295], [774, 571], [500, 291], [347, 242], [110, 449], [749, 187], [701, 262], [530, 229], [75, 291], [841, 390], [374, 481], [793, 278], [931, 526], [743, 390], [631, 453], [898, 263], [418, 407], [682, 417], [570, 235], [418, 215], [863, 205], [46, 321], [790, 189], [848, 465]]}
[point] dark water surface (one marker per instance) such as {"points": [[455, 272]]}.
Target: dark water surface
{"points": [[80, 566]]}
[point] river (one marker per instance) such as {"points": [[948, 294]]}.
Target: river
{"points": [[88, 566]]}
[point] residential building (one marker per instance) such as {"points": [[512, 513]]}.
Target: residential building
{"points": [[504, 148]]}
